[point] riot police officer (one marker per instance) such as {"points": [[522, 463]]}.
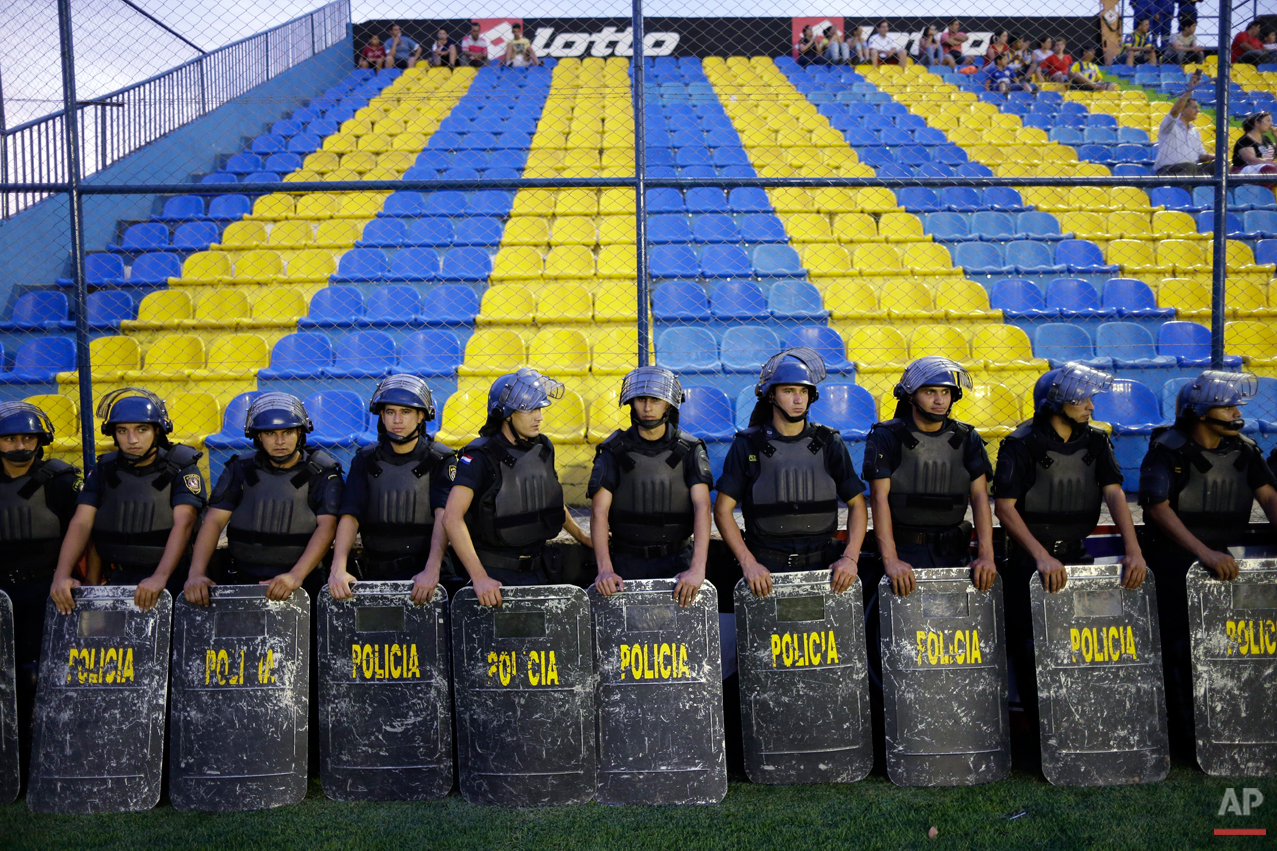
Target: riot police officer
{"points": [[1198, 482], [1053, 473], [37, 500], [277, 503], [924, 470], [506, 501], [787, 473], [395, 495], [649, 492], [140, 505]]}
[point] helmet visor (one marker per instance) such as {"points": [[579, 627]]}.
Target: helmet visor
{"points": [[1219, 389], [530, 390], [653, 381], [1077, 383]]}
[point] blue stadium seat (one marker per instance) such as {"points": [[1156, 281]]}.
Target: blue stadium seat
{"points": [[339, 416], [1189, 343], [1266, 251], [703, 199], [1133, 299], [691, 350], [748, 199], [1232, 223], [430, 232], [1130, 407], [673, 261], [286, 127], [447, 203], [478, 231], [229, 208], [1082, 257], [961, 199], [1097, 134], [1130, 346], [432, 353], [415, 264], [795, 300], [737, 301], [827, 342], [1036, 224], [665, 200], [992, 226], [747, 347], [1066, 135], [147, 236], [384, 233], [304, 143], [335, 306], [449, 304], [1260, 224], [40, 360], [1075, 298], [404, 205], [465, 264], [980, 258], [1020, 299], [100, 270], [919, 199], [714, 227], [1172, 198], [1060, 343], [707, 413], [1095, 153], [155, 269], [39, 310], [491, 202], [1130, 170], [363, 354], [231, 437], [243, 164], [108, 308], [182, 208], [193, 236], [1253, 197], [668, 229], [394, 305], [360, 265], [268, 143], [725, 261], [683, 301], [1005, 198], [947, 227]]}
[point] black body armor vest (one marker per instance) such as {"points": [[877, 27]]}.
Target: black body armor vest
{"points": [[931, 488], [274, 522], [1063, 504], [135, 514], [30, 533], [1216, 501], [398, 520], [794, 496], [652, 503], [524, 505]]}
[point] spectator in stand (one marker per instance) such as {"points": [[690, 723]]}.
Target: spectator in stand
{"points": [[401, 51], [1044, 50], [1179, 144], [1085, 74], [1187, 12], [1000, 44], [1249, 49], [833, 48], [951, 43], [443, 51], [883, 47], [1000, 78], [1184, 47], [474, 47], [374, 54], [1253, 152], [856, 45], [926, 50], [518, 50], [1138, 47], [1021, 57], [809, 48]]}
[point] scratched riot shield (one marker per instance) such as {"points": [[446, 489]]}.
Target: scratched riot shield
{"points": [[385, 712], [659, 696], [9, 781], [804, 681], [1101, 697], [944, 681], [241, 679], [1233, 626], [523, 686], [98, 739]]}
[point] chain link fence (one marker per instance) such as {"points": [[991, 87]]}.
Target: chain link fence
{"points": [[316, 207]]}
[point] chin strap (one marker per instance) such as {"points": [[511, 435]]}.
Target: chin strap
{"points": [[930, 417], [407, 438], [1231, 425], [19, 456], [788, 417], [270, 459], [127, 460], [646, 425]]}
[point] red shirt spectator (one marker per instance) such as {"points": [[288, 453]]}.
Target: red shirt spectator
{"points": [[1244, 43], [1056, 63], [373, 53]]}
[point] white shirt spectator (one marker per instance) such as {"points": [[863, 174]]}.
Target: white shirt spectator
{"points": [[884, 44], [1177, 143]]}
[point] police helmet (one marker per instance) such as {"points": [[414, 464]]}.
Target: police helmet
{"points": [[525, 390], [656, 382], [1215, 389], [275, 410], [933, 371], [25, 418], [796, 365], [401, 389], [133, 405], [1071, 384]]}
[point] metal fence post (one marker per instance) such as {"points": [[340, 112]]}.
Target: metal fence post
{"points": [[640, 184], [76, 203], [1223, 157]]}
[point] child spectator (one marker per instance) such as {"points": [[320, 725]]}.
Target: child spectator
{"points": [[373, 55], [443, 51], [1000, 78], [518, 50], [1085, 74], [1184, 47], [474, 47], [856, 45], [927, 49], [1138, 47]]}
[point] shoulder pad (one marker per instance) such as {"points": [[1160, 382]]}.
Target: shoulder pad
{"points": [[1172, 439], [321, 459], [440, 450], [109, 457], [962, 428], [825, 431], [479, 444], [690, 439], [183, 455], [613, 439], [58, 468], [1249, 443], [366, 452], [1022, 431]]}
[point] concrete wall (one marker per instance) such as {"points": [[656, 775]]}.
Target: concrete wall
{"points": [[35, 245]]}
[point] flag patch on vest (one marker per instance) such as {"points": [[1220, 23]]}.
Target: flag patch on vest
{"points": [[193, 482], [465, 459]]}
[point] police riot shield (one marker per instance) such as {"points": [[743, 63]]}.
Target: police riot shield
{"points": [[1233, 627], [659, 696], [98, 738], [523, 685], [804, 681], [241, 679], [9, 775], [944, 681], [1101, 697], [385, 711]]}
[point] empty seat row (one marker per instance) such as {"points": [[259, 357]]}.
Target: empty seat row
{"points": [[686, 301], [1075, 298]]}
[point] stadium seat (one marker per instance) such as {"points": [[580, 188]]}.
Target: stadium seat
{"points": [[849, 409], [192, 236], [391, 305], [1031, 257], [1020, 299], [340, 419], [1190, 344], [1076, 298], [39, 310], [40, 360], [465, 264], [146, 236], [1133, 299], [1129, 407], [1130, 346], [690, 350], [795, 300], [231, 436], [108, 308], [182, 208], [707, 413], [360, 265], [493, 352], [430, 353], [335, 306], [746, 347], [1060, 343], [304, 354], [680, 301], [738, 301]]}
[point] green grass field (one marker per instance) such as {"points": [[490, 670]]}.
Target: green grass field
{"points": [[1180, 812]]}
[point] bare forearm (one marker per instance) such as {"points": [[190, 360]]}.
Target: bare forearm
{"points": [[438, 540], [599, 533], [1015, 526], [317, 547], [206, 543], [1168, 521], [857, 526], [702, 524], [463, 546], [727, 527], [178, 537], [884, 533], [983, 519], [344, 541]]}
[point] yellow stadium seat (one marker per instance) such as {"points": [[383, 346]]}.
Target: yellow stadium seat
{"points": [[297, 233], [564, 421], [560, 352], [808, 227], [825, 260], [518, 263], [337, 233], [564, 303], [877, 258], [360, 205], [206, 267], [493, 352], [1248, 299], [616, 230], [526, 230], [399, 161], [507, 304], [1184, 255], [534, 202], [1128, 224], [902, 227], [321, 162], [855, 227], [615, 201], [243, 235], [852, 298], [927, 258], [570, 262], [1048, 198], [274, 207], [374, 143], [994, 410], [303, 175], [1086, 224], [410, 142], [615, 351], [282, 310], [829, 199], [1257, 341], [943, 340], [234, 357], [1003, 345], [463, 415], [220, 309], [1129, 198], [110, 358], [573, 230], [615, 304], [162, 309], [358, 126], [313, 265], [64, 414], [617, 261], [966, 301], [876, 199], [606, 416], [908, 301], [1190, 297], [343, 174], [194, 415], [792, 200], [317, 205], [1175, 224], [1136, 257], [877, 345], [171, 356]]}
